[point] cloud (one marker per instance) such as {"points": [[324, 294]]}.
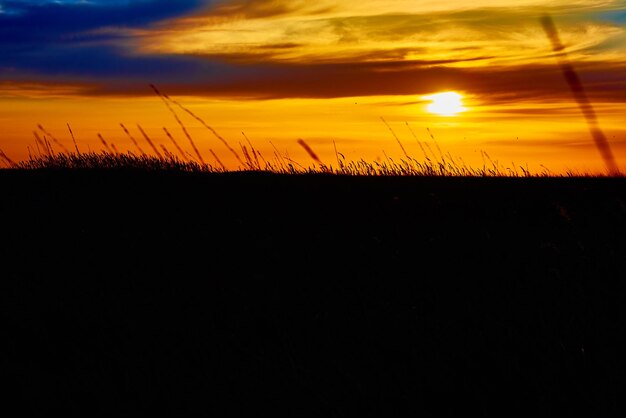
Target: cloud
{"points": [[297, 48], [228, 10], [39, 23], [37, 89], [87, 40], [493, 85], [373, 29]]}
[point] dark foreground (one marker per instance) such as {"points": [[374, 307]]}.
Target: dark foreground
{"points": [[240, 295]]}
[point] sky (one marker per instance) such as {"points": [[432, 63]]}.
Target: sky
{"points": [[342, 75]]}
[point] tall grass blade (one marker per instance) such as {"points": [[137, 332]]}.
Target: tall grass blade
{"points": [[580, 95], [147, 138]]}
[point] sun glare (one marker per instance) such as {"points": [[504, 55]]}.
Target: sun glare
{"points": [[445, 104]]}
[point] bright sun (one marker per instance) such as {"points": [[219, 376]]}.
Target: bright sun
{"points": [[445, 104]]}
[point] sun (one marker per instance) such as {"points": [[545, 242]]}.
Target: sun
{"points": [[445, 104]]}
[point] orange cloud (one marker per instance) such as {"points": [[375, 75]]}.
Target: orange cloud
{"points": [[351, 31]]}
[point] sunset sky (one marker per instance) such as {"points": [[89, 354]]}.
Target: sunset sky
{"points": [[325, 71]]}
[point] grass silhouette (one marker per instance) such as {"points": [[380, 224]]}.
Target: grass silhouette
{"points": [[580, 95], [430, 163], [444, 166]]}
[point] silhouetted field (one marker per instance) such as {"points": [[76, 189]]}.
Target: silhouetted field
{"points": [[135, 293]]}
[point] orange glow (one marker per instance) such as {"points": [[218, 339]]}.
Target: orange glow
{"points": [[533, 135]]}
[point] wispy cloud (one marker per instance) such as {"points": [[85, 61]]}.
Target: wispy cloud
{"points": [[298, 48], [349, 31]]}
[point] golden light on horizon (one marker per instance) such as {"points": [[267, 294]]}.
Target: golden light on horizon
{"points": [[445, 104]]}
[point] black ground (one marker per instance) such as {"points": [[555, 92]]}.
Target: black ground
{"points": [[239, 295]]}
